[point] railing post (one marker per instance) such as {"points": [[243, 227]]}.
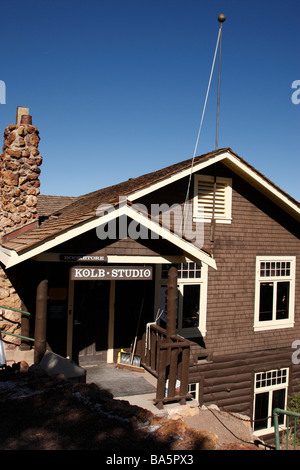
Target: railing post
{"points": [[161, 380], [276, 412], [143, 347], [172, 301], [40, 321], [276, 428], [153, 350], [167, 357], [173, 354], [184, 379], [25, 330]]}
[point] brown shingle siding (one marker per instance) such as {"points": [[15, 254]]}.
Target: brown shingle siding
{"points": [[255, 230], [47, 205]]}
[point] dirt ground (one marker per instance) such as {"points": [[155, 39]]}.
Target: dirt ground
{"points": [[42, 413], [229, 429]]}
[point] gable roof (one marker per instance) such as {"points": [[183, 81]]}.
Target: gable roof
{"points": [[80, 213], [84, 208], [47, 205]]}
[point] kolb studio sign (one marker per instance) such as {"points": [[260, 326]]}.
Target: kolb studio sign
{"points": [[120, 273]]}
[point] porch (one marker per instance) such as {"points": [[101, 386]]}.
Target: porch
{"points": [[165, 356], [163, 353], [138, 388], [161, 379]]}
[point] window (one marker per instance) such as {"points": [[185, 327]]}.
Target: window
{"points": [[209, 201], [191, 297], [193, 389], [185, 271], [270, 391], [274, 294]]}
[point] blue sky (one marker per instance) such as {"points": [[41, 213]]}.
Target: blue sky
{"points": [[117, 87]]}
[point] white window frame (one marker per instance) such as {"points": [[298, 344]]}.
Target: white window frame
{"points": [[200, 330], [194, 389], [198, 209], [270, 388], [282, 323]]}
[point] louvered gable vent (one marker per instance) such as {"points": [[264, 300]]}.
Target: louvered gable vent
{"points": [[204, 198]]}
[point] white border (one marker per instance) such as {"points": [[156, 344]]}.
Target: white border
{"points": [[203, 282], [11, 258], [228, 199], [275, 324], [269, 388]]}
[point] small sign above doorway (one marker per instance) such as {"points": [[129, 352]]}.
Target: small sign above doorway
{"points": [[117, 273], [87, 258]]}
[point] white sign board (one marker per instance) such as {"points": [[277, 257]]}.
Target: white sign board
{"points": [[120, 273]]}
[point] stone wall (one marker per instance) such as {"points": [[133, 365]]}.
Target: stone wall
{"points": [[19, 176], [19, 190], [9, 320]]}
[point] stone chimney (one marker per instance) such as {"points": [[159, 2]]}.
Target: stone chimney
{"points": [[19, 173]]}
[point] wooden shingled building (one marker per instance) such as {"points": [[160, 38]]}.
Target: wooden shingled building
{"points": [[233, 240]]}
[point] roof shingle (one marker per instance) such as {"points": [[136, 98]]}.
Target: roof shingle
{"points": [[64, 213]]}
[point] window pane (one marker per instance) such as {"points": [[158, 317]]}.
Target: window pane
{"points": [[163, 306], [288, 269], [164, 271], [261, 411], [190, 309], [192, 390], [272, 269], [275, 268], [266, 301], [278, 402], [278, 269], [188, 270], [282, 304]]}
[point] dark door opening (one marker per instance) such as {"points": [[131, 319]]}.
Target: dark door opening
{"points": [[129, 297], [90, 321]]}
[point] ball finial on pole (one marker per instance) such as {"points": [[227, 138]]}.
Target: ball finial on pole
{"points": [[221, 18]]}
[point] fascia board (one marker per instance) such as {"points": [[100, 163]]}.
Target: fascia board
{"points": [[11, 258], [16, 258], [177, 176], [262, 185], [6, 255], [232, 162]]}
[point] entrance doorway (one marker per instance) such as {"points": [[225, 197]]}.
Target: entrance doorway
{"points": [[134, 304], [90, 321]]}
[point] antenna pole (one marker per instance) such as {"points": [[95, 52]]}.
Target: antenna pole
{"points": [[221, 19]]}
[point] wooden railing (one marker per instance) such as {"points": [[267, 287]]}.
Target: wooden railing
{"points": [[291, 431], [167, 358]]}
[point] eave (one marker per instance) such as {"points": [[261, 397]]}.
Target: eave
{"points": [[12, 258]]}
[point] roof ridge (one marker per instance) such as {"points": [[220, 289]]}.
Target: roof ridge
{"points": [[188, 162]]}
